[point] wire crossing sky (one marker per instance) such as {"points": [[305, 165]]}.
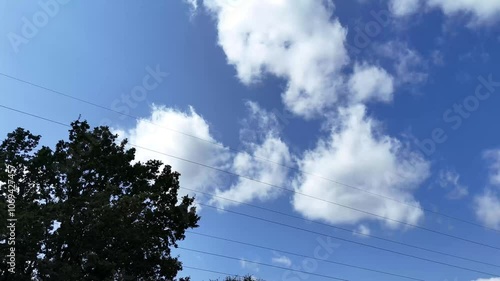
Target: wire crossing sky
{"points": [[322, 139], [254, 157], [305, 230]]}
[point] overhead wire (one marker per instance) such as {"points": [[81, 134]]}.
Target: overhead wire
{"points": [[283, 188], [350, 241], [304, 256], [262, 264], [341, 228], [254, 156], [286, 225]]}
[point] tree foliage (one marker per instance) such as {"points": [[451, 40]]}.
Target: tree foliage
{"points": [[86, 210]]}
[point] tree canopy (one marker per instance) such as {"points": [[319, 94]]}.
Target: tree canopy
{"points": [[86, 210]]}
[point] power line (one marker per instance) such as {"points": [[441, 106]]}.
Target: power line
{"points": [[304, 256], [349, 241], [287, 189], [254, 156], [36, 116], [343, 229], [261, 263], [320, 199], [293, 227]]}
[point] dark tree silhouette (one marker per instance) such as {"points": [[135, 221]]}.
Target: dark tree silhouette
{"points": [[86, 211]]}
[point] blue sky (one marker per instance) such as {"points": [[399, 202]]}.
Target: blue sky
{"points": [[320, 86]]}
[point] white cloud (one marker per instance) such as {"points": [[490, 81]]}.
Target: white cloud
{"points": [[404, 7], [451, 179], [482, 11], [262, 158], [362, 231], [488, 279], [154, 137], [244, 164], [408, 64], [193, 4], [303, 43], [282, 260], [357, 153], [493, 156], [487, 207], [259, 124], [370, 82], [296, 40], [268, 146]]}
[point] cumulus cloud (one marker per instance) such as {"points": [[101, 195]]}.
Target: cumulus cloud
{"points": [[265, 144], [482, 11], [488, 279], [370, 83], [451, 179], [244, 164], [303, 43], [357, 153], [487, 207], [295, 40], [150, 133], [263, 158]]}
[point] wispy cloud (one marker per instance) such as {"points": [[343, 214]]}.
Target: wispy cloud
{"points": [[480, 11], [362, 231], [282, 260], [450, 180]]}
